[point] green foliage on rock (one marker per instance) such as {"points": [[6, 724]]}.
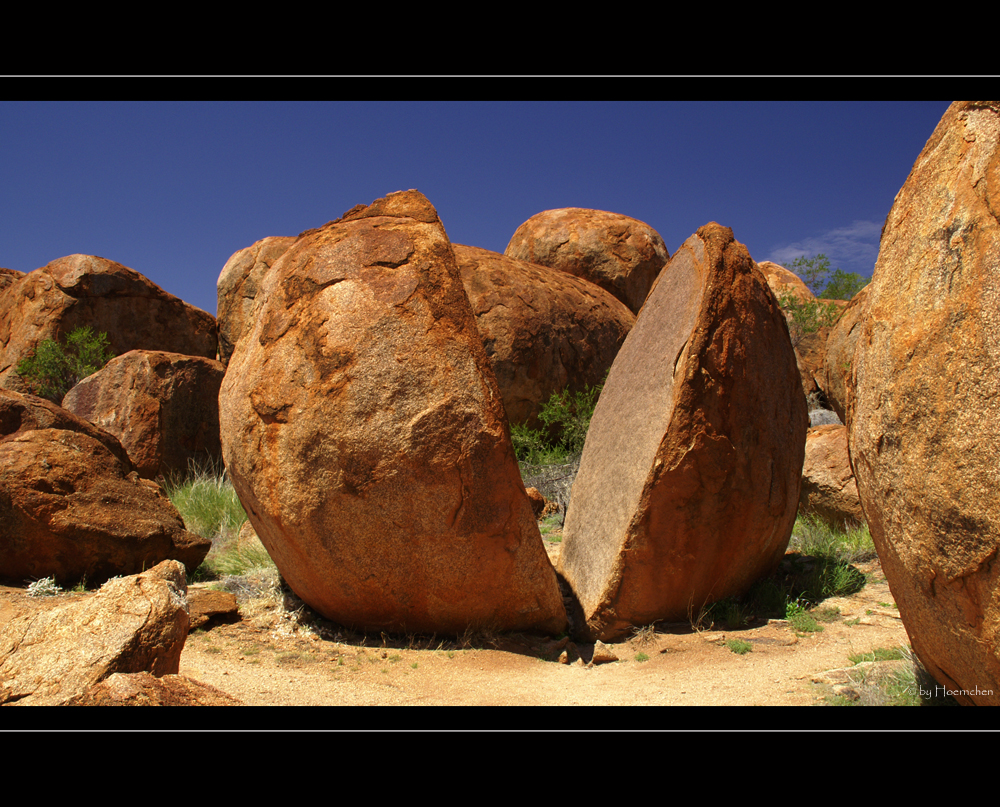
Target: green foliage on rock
{"points": [[826, 284], [53, 369], [843, 285]]}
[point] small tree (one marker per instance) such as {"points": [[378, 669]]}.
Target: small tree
{"points": [[806, 317], [843, 285], [824, 282], [52, 369]]}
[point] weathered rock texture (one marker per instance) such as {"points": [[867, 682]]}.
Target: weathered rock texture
{"points": [[689, 481], [83, 290], [544, 331], [9, 277], [925, 419], [366, 437], [49, 655], [237, 288], [622, 255], [145, 689], [162, 407], [840, 346], [828, 487], [71, 505]]}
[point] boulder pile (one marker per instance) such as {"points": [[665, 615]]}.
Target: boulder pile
{"points": [[84, 290]]}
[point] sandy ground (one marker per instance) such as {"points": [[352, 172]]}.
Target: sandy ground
{"points": [[285, 664]]}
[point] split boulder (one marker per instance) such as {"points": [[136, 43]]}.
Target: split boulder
{"points": [[925, 417], [365, 434], [544, 331], [163, 408], [620, 254], [689, 481]]}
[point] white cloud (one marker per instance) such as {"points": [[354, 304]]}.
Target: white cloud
{"points": [[853, 248]]}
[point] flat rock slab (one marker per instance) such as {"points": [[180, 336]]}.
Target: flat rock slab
{"points": [[365, 434], [689, 481]]}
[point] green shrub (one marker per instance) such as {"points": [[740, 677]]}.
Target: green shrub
{"points": [[207, 502], [738, 646], [806, 317], [567, 416], [52, 369]]}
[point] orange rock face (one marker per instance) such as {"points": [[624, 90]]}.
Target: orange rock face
{"points": [[622, 255], [71, 506], [840, 344], [163, 407], [828, 486], [689, 481], [365, 434], [86, 290], [237, 288], [543, 330], [926, 411]]}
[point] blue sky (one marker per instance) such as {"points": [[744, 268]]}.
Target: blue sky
{"points": [[173, 189]]}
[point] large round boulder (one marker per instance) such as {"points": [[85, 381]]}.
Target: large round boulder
{"points": [[622, 255], [366, 437], [689, 481], [925, 416], [543, 330]]}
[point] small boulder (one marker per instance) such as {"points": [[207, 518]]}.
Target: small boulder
{"points": [[49, 655], [544, 331], [163, 407], [689, 481], [145, 689], [620, 254], [828, 486]]}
